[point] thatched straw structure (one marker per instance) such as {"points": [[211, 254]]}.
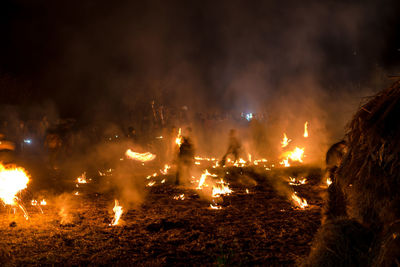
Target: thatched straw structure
{"points": [[369, 177]]}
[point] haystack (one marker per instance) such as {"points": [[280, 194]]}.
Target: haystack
{"points": [[369, 176]]}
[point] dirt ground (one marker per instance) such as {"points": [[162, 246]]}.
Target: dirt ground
{"points": [[260, 226]]}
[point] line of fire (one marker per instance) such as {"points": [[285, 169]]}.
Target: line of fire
{"points": [[200, 133]]}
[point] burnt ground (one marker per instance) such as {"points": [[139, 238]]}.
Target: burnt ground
{"points": [[261, 227]]}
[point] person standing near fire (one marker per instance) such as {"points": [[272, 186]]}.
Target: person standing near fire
{"points": [[234, 147], [185, 156]]}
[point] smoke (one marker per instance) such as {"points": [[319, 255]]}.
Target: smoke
{"points": [[206, 63]]}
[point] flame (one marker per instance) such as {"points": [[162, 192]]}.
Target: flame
{"points": [[76, 193], [178, 139], [295, 181], [12, 181], [305, 129], [328, 181], [43, 203], [285, 163], [117, 213], [247, 191], [163, 181], [203, 178], [34, 202], [82, 179], [299, 202], [165, 170], [143, 157], [285, 141], [221, 189], [294, 155]]}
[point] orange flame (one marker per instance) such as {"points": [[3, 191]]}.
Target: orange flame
{"points": [[143, 157], [12, 181], [203, 178], [285, 141], [305, 129], [299, 202], [178, 139], [82, 179], [117, 213], [294, 155], [221, 189]]}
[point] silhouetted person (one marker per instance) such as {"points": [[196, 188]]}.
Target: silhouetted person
{"points": [[185, 157], [234, 147]]}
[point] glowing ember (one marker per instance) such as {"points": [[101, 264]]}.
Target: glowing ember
{"points": [[34, 202], [117, 213], [12, 181], [306, 129], [247, 191], [215, 207], [163, 181], [43, 203], [143, 157], [180, 197], [178, 139], [82, 179], [76, 193], [257, 161], [328, 181], [285, 141], [197, 163], [299, 202], [221, 189], [151, 183]]}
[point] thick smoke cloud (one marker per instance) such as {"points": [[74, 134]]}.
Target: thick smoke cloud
{"points": [[293, 61]]}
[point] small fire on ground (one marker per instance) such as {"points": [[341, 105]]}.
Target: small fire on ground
{"points": [[117, 213]]}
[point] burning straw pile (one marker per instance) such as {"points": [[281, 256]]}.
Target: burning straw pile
{"points": [[370, 180]]}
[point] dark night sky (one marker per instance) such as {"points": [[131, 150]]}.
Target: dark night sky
{"points": [[91, 56]]}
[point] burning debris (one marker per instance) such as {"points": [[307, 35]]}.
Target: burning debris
{"points": [[299, 202], [296, 181], [180, 197]]}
